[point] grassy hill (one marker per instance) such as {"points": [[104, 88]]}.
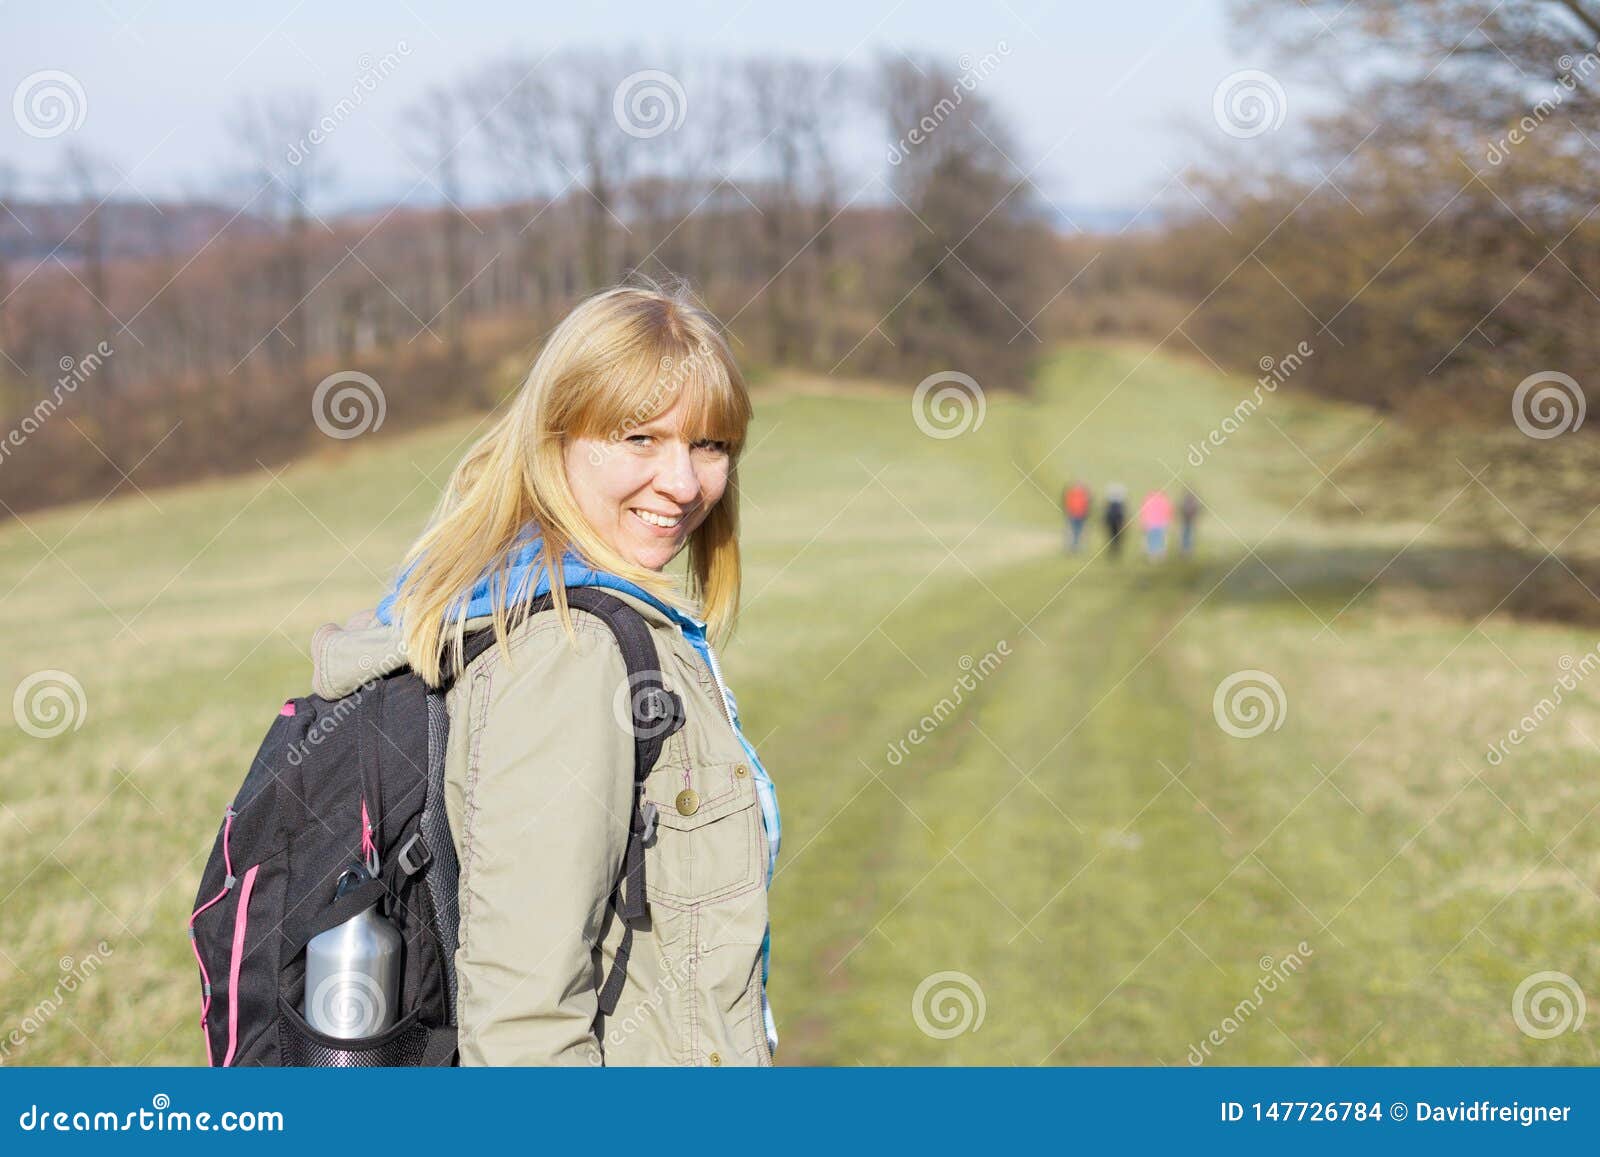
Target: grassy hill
{"points": [[1074, 839]]}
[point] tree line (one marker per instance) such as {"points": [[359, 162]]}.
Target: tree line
{"points": [[1434, 234], [749, 179], [1431, 234]]}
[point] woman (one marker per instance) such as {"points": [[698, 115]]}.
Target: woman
{"points": [[620, 450], [1155, 513]]}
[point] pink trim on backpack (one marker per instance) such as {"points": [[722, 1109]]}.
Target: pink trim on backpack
{"points": [[369, 850], [205, 978], [287, 708], [241, 916]]}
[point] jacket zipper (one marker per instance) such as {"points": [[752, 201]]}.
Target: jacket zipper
{"points": [[761, 985], [722, 694]]}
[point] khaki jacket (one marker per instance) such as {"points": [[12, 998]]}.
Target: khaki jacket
{"points": [[539, 791]]}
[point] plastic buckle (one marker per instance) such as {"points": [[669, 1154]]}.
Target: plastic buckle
{"points": [[658, 713], [409, 865], [648, 811], [655, 706]]}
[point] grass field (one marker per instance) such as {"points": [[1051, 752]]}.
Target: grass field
{"points": [[1094, 860]]}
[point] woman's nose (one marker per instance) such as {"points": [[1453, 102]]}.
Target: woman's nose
{"points": [[677, 478]]}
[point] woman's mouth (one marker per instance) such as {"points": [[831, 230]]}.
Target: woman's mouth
{"points": [[661, 524]]}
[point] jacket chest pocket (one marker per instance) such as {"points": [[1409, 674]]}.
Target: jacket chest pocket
{"points": [[708, 836]]}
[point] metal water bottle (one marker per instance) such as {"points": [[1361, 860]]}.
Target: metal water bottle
{"points": [[353, 971]]}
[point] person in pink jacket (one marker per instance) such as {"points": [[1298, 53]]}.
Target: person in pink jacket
{"points": [[1155, 513]]}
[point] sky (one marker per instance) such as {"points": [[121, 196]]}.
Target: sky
{"points": [[1108, 100]]}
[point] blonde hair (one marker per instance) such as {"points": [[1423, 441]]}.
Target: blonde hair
{"points": [[615, 362]]}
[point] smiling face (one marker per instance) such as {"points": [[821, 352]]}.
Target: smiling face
{"points": [[645, 494]]}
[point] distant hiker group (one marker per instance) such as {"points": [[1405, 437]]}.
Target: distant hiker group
{"points": [[1155, 516]]}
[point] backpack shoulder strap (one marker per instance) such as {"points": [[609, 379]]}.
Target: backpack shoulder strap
{"points": [[657, 714]]}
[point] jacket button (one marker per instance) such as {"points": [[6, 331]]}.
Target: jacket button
{"points": [[688, 801], [715, 1058], [741, 771]]}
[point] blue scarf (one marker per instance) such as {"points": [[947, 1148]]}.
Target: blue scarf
{"points": [[528, 563]]}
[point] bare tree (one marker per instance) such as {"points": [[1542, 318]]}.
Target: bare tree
{"points": [[10, 223], [678, 174], [1457, 73], [438, 125], [978, 247], [510, 106], [273, 135], [1444, 213], [794, 105], [87, 179], [555, 120]]}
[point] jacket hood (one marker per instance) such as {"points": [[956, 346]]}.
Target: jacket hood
{"points": [[344, 657]]}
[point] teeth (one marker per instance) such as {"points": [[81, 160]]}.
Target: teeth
{"points": [[656, 520]]}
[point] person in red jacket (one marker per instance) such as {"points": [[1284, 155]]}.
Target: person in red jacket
{"points": [[1075, 502]]}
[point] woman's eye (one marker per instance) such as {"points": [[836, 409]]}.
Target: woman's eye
{"points": [[712, 445], [640, 439]]}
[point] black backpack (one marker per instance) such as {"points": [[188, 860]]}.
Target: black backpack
{"points": [[357, 780]]}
